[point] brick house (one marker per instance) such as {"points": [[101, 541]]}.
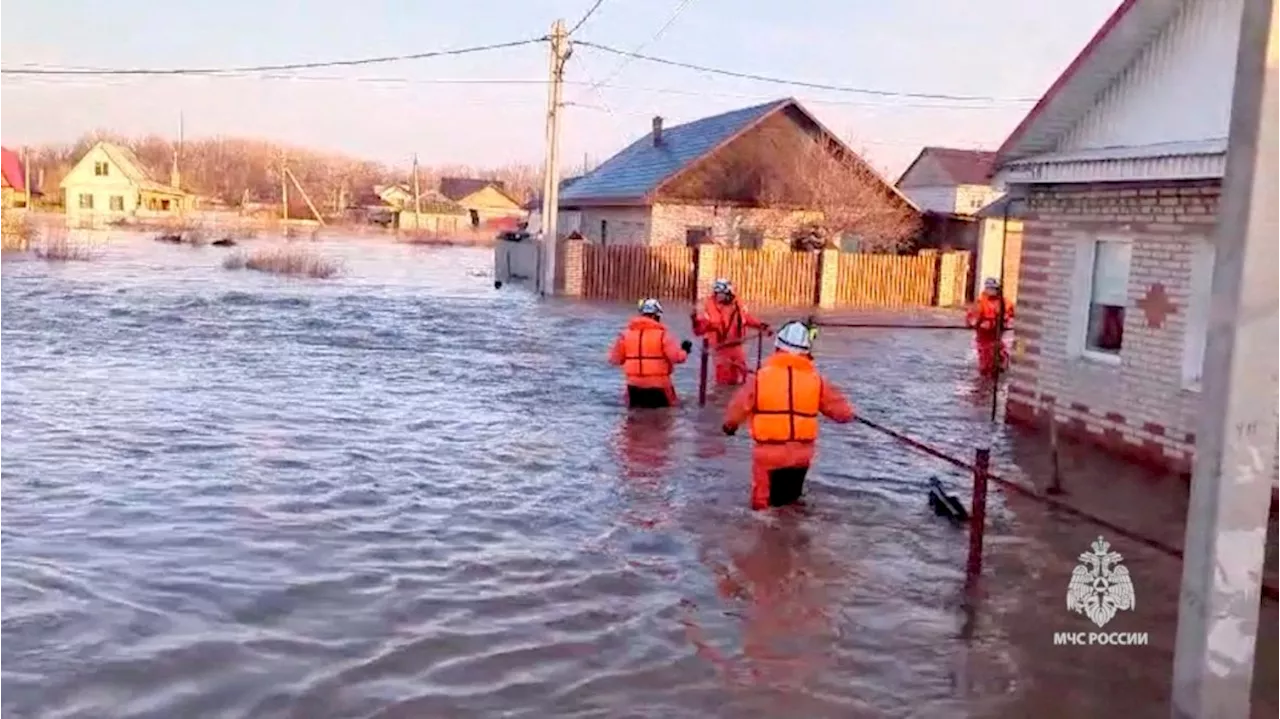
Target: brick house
{"points": [[1118, 170], [733, 179]]}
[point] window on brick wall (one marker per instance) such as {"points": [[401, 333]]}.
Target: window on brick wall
{"points": [[1099, 297], [1200, 297]]}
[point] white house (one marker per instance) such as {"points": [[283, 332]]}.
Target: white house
{"points": [[110, 183], [1118, 169]]}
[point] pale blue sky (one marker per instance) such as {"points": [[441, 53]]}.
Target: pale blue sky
{"points": [[999, 48]]}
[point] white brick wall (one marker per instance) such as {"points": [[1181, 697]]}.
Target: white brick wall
{"points": [[1141, 401], [623, 225], [671, 221]]}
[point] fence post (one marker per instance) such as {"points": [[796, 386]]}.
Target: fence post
{"points": [[707, 267], [702, 373], [573, 268], [828, 278], [977, 515]]}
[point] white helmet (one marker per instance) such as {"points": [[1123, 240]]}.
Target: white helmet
{"points": [[991, 284], [722, 287], [794, 337], [650, 306]]}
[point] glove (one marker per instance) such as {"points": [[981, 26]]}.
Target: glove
{"points": [[766, 330], [687, 346], [729, 429]]}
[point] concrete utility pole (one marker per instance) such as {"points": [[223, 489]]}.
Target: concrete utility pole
{"points": [[1236, 438], [417, 194], [551, 176], [26, 177]]}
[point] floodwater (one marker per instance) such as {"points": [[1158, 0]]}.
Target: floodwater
{"points": [[402, 493]]}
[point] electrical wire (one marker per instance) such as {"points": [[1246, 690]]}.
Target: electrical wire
{"points": [[270, 68], [654, 38], [590, 11], [800, 83]]}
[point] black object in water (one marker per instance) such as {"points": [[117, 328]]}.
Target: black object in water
{"points": [[944, 504]]}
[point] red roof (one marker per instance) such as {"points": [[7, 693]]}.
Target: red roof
{"points": [[11, 165], [964, 167]]}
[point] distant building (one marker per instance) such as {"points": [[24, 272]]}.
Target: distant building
{"points": [[1118, 169], [13, 184], [483, 200], [433, 212], [396, 196], [110, 183], [713, 180]]}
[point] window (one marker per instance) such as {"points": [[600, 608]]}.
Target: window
{"points": [[100, 169], [1100, 295], [694, 236], [1197, 332], [475, 218], [850, 242], [86, 201], [117, 203], [750, 239]]}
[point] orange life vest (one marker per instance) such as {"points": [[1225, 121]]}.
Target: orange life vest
{"points": [[644, 352], [788, 396], [726, 320]]}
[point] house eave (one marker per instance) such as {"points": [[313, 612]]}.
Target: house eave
{"points": [[1193, 160], [605, 202]]}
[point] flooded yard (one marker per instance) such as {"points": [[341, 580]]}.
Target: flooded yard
{"points": [[401, 493]]}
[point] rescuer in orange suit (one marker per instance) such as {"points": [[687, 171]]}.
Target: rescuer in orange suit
{"points": [[648, 352], [725, 321], [984, 317], [783, 404]]}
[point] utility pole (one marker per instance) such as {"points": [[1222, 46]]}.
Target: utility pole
{"points": [[284, 189], [417, 195], [26, 176], [551, 175], [1236, 438]]}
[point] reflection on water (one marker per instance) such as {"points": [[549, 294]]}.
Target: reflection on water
{"points": [[403, 494]]}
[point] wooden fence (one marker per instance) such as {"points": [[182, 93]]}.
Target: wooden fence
{"points": [[632, 272], [778, 279], [886, 280], [765, 278]]}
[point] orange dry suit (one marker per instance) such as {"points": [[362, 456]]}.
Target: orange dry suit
{"points": [[647, 353], [983, 316], [725, 326], [783, 404]]}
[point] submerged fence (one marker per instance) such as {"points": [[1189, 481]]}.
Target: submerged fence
{"points": [[828, 279]]}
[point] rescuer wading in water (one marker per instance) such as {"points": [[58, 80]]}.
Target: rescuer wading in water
{"points": [[647, 352], [783, 403], [724, 321], [984, 317]]}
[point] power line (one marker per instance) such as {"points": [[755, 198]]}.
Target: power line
{"points": [[670, 20], [799, 83], [270, 68], [591, 11]]}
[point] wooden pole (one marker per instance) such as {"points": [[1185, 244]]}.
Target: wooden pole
{"points": [[26, 175], [305, 198], [284, 190]]}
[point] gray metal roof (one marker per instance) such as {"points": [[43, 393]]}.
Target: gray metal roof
{"points": [[639, 169]]}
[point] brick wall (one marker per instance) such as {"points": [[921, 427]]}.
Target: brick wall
{"points": [[622, 225], [671, 221], [1139, 407]]}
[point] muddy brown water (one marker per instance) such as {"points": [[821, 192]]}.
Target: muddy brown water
{"points": [[402, 493]]}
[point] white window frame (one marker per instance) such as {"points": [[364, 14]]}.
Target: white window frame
{"points": [[1200, 299], [1082, 293]]}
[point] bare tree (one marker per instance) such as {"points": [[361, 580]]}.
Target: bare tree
{"points": [[804, 184]]}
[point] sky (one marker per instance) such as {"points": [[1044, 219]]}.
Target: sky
{"points": [[1009, 51]]}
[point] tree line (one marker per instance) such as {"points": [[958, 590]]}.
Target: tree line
{"points": [[237, 171]]}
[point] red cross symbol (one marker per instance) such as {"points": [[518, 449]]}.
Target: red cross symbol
{"points": [[1156, 305]]}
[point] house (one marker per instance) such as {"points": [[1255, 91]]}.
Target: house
{"points": [[950, 185], [483, 200], [567, 221], [13, 179], [1119, 167], [397, 196], [751, 178], [110, 183], [433, 212]]}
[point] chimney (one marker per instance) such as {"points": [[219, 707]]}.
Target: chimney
{"points": [[657, 130]]}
